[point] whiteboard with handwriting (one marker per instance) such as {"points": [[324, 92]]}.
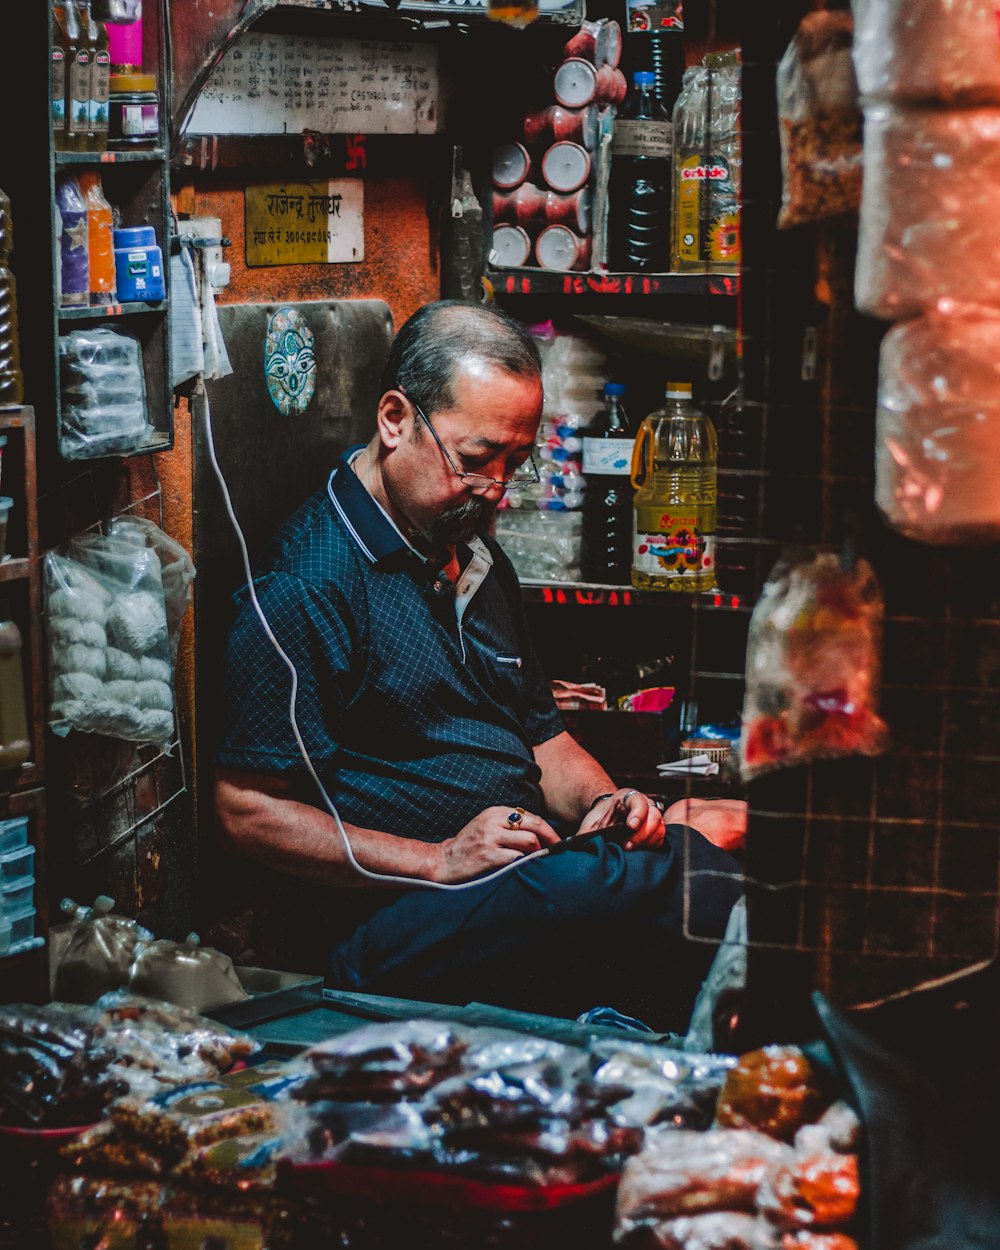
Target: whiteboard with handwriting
{"points": [[284, 84]]}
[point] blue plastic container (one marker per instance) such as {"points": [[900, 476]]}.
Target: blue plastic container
{"points": [[138, 265]]}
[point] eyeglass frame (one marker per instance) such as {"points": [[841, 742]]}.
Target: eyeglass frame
{"points": [[482, 482]]}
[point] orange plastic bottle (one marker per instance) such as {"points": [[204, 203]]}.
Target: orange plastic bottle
{"points": [[100, 239]]}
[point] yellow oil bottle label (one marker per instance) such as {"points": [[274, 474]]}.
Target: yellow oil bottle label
{"points": [[711, 237], [678, 548]]}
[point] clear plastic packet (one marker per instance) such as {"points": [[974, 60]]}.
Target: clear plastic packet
{"points": [[103, 408], [110, 667], [177, 570], [711, 1230], [54, 1066], [686, 1172], [541, 543], [927, 51], [812, 1191], [102, 1149], [937, 440], [180, 1029], [384, 1061], [667, 1087], [813, 663], [926, 229], [820, 121], [99, 953], [773, 1090], [187, 1117]]}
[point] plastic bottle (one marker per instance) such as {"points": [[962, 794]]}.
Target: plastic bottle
{"points": [[639, 191], [74, 270], [607, 504], [57, 80], [88, 40], [11, 380], [707, 168], [100, 82], [15, 746], [674, 474], [654, 41], [79, 136], [66, 37], [100, 239]]}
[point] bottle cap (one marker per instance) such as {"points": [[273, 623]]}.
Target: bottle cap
{"points": [[643, 78], [614, 388], [678, 390]]}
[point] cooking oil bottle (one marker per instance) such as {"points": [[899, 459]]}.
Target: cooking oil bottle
{"points": [[674, 475]]}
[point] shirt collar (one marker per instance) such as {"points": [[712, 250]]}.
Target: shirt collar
{"points": [[368, 523]]}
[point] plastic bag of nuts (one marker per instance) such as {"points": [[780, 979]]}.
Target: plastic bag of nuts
{"points": [[820, 121]]}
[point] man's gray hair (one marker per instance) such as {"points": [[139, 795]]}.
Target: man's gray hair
{"points": [[431, 345]]}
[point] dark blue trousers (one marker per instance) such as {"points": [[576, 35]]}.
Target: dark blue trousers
{"points": [[597, 926]]}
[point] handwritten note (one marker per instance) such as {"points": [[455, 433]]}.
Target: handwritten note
{"points": [[283, 84]]}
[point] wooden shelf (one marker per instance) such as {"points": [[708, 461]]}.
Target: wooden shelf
{"points": [[14, 569], [634, 285], [115, 157], [101, 312], [595, 594]]}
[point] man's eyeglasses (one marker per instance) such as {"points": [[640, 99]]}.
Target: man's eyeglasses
{"points": [[526, 475]]}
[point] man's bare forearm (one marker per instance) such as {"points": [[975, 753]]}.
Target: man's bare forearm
{"points": [[571, 777], [303, 841]]}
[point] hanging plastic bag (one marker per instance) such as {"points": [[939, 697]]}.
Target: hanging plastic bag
{"points": [[813, 661], [109, 648], [176, 569], [103, 410], [820, 121], [937, 440]]}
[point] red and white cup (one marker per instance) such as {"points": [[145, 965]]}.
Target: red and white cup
{"points": [[511, 247], [555, 123], [578, 83], [529, 204], [611, 87], [557, 247], [511, 166], [522, 206], [599, 42], [566, 166]]}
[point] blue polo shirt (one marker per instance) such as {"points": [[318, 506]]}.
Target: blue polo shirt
{"points": [[419, 701]]}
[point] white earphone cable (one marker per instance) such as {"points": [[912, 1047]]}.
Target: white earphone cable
{"points": [[389, 878]]}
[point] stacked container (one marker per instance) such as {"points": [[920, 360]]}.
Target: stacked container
{"points": [[17, 885], [544, 185], [540, 528], [929, 257]]}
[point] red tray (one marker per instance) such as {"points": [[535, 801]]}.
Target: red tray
{"points": [[38, 1141], [434, 1188]]}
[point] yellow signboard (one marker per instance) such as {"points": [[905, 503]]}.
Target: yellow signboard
{"points": [[315, 223]]}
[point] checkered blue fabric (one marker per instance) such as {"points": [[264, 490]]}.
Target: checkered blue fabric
{"points": [[410, 731]]}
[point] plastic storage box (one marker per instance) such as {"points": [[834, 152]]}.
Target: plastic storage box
{"points": [[17, 868], [18, 900], [22, 928], [13, 834]]}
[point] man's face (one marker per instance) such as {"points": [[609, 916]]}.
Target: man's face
{"points": [[489, 431]]}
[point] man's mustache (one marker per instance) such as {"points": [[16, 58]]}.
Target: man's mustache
{"points": [[458, 523]]}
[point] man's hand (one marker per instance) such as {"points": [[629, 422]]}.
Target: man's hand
{"points": [[722, 821], [489, 842], [642, 816]]}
